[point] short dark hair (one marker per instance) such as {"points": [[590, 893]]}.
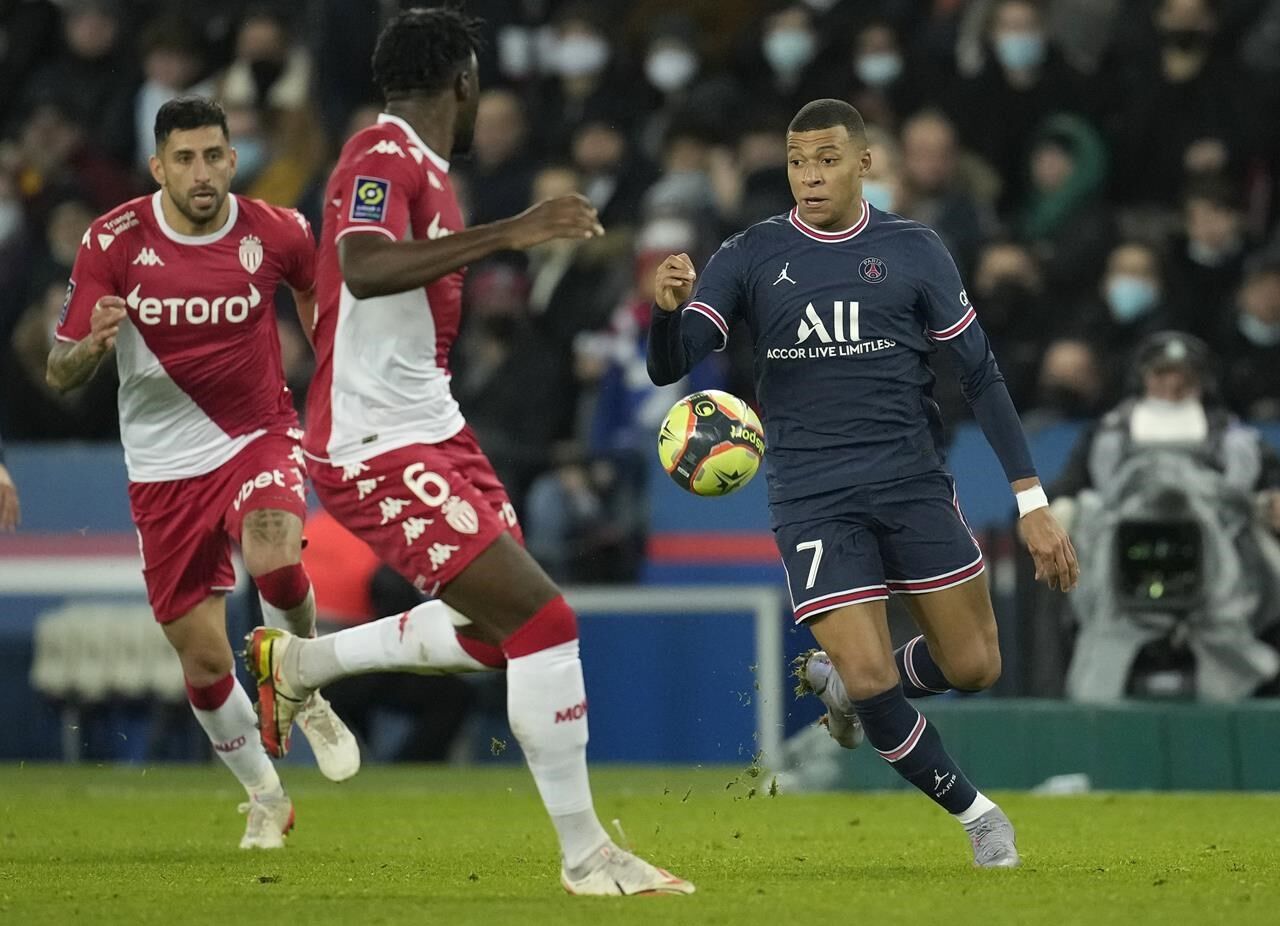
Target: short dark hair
{"points": [[420, 50], [826, 114], [189, 112]]}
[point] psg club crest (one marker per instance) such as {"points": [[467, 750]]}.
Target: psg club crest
{"points": [[251, 253], [872, 270]]}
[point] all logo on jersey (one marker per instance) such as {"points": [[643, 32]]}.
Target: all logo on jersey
{"points": [[434, 181], [369, 199], [872, 270], [104, 240], [251, 253], [784, 275], [148, 257], [819, 336]]}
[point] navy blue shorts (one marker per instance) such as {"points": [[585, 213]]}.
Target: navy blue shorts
{"points": [[861, 543]]}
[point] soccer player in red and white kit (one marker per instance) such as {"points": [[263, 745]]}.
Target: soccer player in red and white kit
{"points": [[393, 460], [182, 284]]}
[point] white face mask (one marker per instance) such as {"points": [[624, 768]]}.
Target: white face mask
{"points": [[878, 194], [878, 69], [788, 50], [671, 69], [10, 220], [581, 55]]}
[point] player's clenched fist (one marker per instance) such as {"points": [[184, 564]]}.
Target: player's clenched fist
{"points": [[673, 284], [104, 323], [570, 216]]}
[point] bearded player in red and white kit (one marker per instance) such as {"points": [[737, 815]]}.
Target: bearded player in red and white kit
{"points": [[182, 284], [393, 460]]}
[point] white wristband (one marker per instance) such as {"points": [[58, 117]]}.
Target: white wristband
{"points": [[1031, 499]]}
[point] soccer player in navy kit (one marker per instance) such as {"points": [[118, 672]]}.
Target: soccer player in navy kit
{"points": [[844, 304]]}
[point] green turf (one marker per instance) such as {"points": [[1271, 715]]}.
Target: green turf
{"points": [[453, 846]]}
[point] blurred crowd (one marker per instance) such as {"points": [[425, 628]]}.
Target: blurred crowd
{"points": [[1101, 169]]}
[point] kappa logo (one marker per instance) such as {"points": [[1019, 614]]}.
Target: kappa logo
{"points": [[434, 230], [251, 253], [386, 146], [148, 257], [783, 275], [434, 181]]}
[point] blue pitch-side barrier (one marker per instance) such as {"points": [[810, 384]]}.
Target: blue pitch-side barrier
{"points": [[642, 670]]}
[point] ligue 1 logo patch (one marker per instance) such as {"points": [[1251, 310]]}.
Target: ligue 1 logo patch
{"points": [[369, 199], [872, 270]]}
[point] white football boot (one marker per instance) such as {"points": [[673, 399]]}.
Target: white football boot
{"points": [[269, 822], [816, 675], [335, 747], [614, 872]]}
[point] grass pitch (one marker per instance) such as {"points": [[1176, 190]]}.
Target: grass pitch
{"points": [[456, 846]]}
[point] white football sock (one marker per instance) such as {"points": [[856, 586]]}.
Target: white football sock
{"points": [[981, 804], [547, 709], [233, 730], [422, 640], [300, 620]]}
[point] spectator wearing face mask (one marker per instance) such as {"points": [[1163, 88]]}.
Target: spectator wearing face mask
{"points": [[784, 69], [1023, 80], [1071, 385], [273, 125], [882, 84], [1209, 255], [680, 84], [1131, 302], [882, 185], [1249, 338], [1183, 105], [583, 81]]}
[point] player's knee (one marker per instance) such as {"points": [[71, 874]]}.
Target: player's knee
{"points": [[864, 678], [976, 671], [205, 663], [261, 558]]}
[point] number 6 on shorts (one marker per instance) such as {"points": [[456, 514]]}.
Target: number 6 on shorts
{"points": [[816, 547]]}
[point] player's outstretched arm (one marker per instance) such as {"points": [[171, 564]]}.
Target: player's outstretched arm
{"points": [[73, 363], [374, 265]]}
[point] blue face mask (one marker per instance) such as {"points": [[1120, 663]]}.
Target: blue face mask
{"points": [[252, 155], [788, 50], [878, 194], [1256, 331], [1020, 51], [878, 69], [1130, 297]]}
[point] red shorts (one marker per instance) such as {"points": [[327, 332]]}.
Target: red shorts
{"points": [[427, 510], [185, 527]]}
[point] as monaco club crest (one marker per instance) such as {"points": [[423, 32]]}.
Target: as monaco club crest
{"points": [[250, 253]]}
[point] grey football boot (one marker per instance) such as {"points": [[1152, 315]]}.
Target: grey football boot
{"points": [[816, 675]]}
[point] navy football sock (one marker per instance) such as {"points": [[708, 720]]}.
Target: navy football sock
{"points": [[913, 747], [921, 677]]}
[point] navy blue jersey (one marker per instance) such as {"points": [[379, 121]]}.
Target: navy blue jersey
{"points": [[843, 324]]}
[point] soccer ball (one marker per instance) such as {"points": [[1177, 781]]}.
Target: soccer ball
{"points": [[711, 443]]}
